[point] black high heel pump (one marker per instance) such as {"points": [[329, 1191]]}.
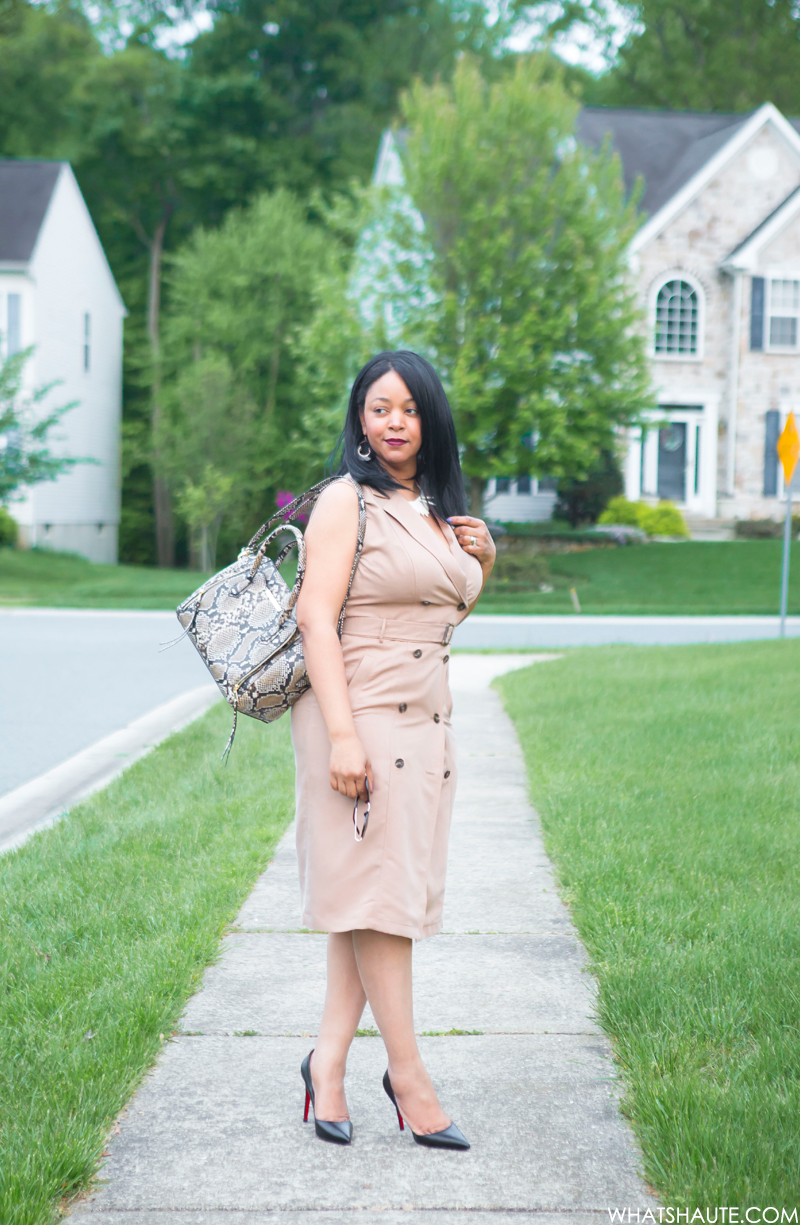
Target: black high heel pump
{"points": [[451, 1137], [334, 1132]]}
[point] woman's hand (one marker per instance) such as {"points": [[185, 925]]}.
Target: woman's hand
{"points": [[475, 538], [349, 766]]}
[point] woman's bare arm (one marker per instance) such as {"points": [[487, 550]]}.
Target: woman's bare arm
{"points": [[331, 538]]}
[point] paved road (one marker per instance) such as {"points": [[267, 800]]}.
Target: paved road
{"points": [[214, 1136], [519, 632], [69, 678]]}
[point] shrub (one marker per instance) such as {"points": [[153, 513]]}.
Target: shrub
{"points": [[582, 501], [621, 511], [8, 529], [518, 571], [764, 529], [662, 520]]}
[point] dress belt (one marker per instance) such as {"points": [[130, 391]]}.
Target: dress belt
{"points": [[365, 626]]}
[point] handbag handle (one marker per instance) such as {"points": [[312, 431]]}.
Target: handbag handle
{"points": [[279, 560], [290, 511], [293, 509]]}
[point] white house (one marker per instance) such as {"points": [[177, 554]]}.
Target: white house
{"points": [[717, 266], [58, 295]]}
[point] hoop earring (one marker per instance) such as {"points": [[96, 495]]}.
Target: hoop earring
{"points": [[360, 445]]}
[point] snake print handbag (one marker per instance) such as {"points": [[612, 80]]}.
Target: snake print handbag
{"points": [[244, 625]]}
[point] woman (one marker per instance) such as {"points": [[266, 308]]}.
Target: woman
{"points": [[375, 725]]}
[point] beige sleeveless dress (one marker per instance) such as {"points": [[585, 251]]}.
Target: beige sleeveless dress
{"points": [[408, 593]]}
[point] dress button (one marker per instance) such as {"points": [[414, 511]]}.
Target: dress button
{"points": [[447, 773], [402, 708], [426, 602], [399, 763], [461, 607], [417, 653], [436, 718], [444, 661]]}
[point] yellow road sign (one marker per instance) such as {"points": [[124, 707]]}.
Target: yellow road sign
{"points": [[789, 448]]}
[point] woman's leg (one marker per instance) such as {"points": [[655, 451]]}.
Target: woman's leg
{"points": [[344, 1004], [384, 964]]}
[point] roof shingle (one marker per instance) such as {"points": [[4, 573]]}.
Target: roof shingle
{"points": [[665, 147], [25, 191]]}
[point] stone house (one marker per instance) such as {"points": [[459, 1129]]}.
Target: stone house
{"points": [[717, 266], [58, 296]]}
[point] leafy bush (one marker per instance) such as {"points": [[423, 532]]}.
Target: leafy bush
{"points": [[662, 520], [582, 501], [8, 529], [764, 529], [518, 571], [621, 511]]}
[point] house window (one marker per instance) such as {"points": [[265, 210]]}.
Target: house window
{"points": [[757, 313], [13, 324], [87, 336], [784, 308], [502, 484], [677, 318], [523, 484]]}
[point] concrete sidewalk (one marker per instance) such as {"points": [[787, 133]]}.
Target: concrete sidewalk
{"points": [[215, 1134]]}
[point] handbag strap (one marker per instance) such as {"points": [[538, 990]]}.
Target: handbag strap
{"points": [[287, 513], [290, 512], [362, 527]]}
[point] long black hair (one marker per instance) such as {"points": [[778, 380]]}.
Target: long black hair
{"points": [[438, 470]]}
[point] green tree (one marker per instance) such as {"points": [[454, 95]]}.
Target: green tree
{"points": [[135, 165], [522, 289], [296, 93], [203, 506], [240, 360], [25, 458], [45, 51], [707, 56]]}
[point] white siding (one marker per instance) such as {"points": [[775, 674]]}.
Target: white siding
{"points": [[69, 277], [513, 507]]}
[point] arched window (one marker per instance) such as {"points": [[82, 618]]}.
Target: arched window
{"points": [[677, 321]]}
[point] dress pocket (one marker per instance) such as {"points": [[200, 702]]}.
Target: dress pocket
{"points": [[356, 667]]}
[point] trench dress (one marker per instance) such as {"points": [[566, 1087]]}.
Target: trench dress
{"points": [[408, 594]]}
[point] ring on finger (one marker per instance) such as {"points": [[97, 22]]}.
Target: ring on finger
{"points": [[473, 541]]}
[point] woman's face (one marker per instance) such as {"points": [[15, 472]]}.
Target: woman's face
{"points": [[392, 424]]}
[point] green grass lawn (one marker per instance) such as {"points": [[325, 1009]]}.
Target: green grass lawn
{"points": [[695, 577], [738, 576], [63, 580], [107, 921], [667, 779]]}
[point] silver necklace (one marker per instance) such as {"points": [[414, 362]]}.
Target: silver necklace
{"points": [[421, 505]]}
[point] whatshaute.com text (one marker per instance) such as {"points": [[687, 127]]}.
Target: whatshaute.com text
{"points": [[723, 1215]]}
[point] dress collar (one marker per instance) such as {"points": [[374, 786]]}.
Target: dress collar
{"points": [[449, 557]]}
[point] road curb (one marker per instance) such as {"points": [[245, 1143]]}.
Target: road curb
{"points": [[39, 803]]}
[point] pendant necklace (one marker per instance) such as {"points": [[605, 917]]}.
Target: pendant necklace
{"points": [[421, 505]]}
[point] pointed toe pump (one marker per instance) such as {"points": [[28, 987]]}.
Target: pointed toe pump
{"points": [[451, 1137], [333, 1131]]}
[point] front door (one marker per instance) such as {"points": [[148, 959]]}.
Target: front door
{"points": [[672, 462]]}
